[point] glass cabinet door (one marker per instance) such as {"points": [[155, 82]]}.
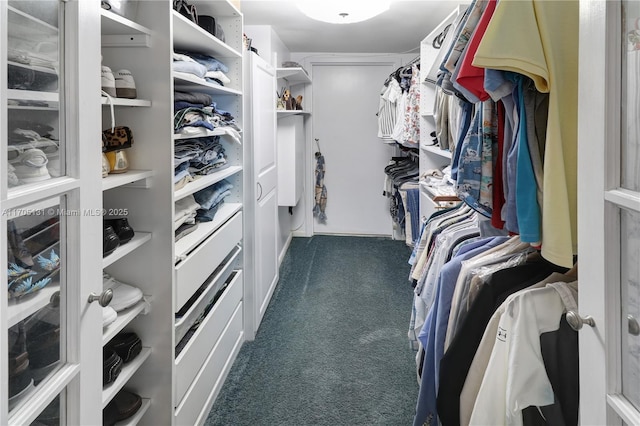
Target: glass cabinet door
{"points": [[40, 199], [35, 127]]}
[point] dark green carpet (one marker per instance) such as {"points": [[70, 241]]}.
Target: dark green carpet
{"points": [[332, 348]]}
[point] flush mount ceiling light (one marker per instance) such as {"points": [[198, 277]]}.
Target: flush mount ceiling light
{"points": [[343, 11]]}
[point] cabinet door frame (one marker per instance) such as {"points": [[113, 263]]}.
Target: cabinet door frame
{"points": [[599, 202]]}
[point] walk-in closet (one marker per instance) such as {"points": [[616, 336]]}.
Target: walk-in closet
{"points": [[302, 212]]}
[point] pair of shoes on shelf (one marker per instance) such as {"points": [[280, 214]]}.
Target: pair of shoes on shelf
{"points": [[124, 295], [21, 281], [120, 350], [123, 406], [30, 163], [119, 84], [116, 233]]}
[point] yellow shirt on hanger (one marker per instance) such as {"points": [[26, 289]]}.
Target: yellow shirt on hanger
{"points": [[539, 39]]}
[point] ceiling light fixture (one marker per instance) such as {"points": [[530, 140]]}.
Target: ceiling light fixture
{"points": [[343, 11]]}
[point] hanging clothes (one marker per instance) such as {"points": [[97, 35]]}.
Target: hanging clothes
{"points": [[320, 190]]}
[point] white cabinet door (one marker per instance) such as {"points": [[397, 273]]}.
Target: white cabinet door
{"points": [[609, 211], [50, 226], [265, 176]]}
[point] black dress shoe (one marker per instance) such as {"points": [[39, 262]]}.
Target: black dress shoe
{"points": [[110, 241], [126, 345], [122, 228], [111, 366]]}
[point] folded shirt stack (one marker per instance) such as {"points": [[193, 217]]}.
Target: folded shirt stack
{"points": [[195, 114], [210, 199], [202, 66], [197, 157]]}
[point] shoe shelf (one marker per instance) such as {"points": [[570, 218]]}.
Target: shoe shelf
{"points": [[205, 181], [139, 239], [189, 36], [128, 178], [189, 242], [436, 150], [33, 67], [128, 370], [31, 95], [20, 308], [118, 31], [190, 83], [293, 75], [24, 24], [133, 420], [124, 318], [126, 102]]}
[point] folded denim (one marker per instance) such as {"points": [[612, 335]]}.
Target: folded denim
{"points": [[208, 215], [181, 175], [187, 116], [193, 97], [194, 68], [178, 105], [210, 62], [211, 195], [210, 169]]}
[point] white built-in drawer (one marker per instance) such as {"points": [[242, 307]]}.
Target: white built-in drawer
{"points": [[201, 344], [197, 402], [194, 270]]}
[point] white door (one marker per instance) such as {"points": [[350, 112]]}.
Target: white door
{"points": [[609, 212], [263, 100], [345, 102], [50, 342]]}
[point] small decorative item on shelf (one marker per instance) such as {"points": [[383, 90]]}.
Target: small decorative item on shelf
{"points": [[289, 102], [114, 141], [299, 103]]}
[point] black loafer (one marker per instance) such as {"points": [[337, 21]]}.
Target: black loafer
{"points": [[122, 229], [111, 366], [126, 345], [124, 405], [110, 241]]}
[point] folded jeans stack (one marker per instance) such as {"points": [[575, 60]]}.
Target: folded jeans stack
{"points": [[210, 199]]}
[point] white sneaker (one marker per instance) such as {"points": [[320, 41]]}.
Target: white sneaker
{"points": [[125, 85], [108, 82], [30, 164], [109, 315], [48, 146], [12, 179], [124, 295]]}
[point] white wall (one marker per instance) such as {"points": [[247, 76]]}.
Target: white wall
{"points": [[270, 46], [307, 60]]}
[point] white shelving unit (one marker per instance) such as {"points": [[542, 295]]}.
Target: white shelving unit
{"points": [[432, 157], [197, 256], [293, 75]]}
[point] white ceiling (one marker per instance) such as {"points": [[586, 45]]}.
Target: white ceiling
{"points": [[398, 30]]}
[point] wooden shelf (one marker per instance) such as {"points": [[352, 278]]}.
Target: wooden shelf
{"points": [[138, 240], [190, 37], [30, 95], [128, 370], [21, 308], [287, 112], [206, 181], [126, 102], [135, 419], [436, 150], [131, 176], [118, 31], [189, 242], [23, 25], [124, 318], [293, 75], [190, 83]]}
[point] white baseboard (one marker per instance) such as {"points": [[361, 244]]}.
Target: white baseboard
{"points": [[283, 252]]}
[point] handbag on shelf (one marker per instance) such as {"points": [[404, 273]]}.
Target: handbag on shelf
{"points": [[115, 138], [187, 10], [209, 24]]}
